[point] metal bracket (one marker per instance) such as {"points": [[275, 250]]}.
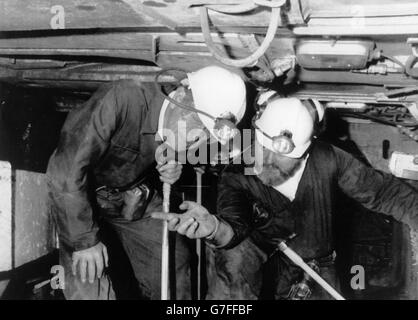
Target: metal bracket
{"points": [[140, 8], [414, 44], [413, 109]]}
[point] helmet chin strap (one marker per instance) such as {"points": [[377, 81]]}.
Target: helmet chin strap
{"points": [[282, 143]]}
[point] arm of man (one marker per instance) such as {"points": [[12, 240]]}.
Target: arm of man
{"points": [[375, 190], [84, 138], [197, 223], [224, 230]]}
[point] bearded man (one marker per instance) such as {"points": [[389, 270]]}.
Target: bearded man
{"points": [[294, 191]]}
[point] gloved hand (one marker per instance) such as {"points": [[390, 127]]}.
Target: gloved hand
{"points": [[170, 172], [90, 262]]}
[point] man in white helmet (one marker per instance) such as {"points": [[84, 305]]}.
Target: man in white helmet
{"points": [[107, 171], [293, 192]]}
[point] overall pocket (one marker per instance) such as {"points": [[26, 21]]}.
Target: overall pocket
{"points": [[135, 202], [110, 202]]}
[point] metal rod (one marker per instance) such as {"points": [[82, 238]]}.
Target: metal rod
{"points": [[199, 174], [165, 285]]}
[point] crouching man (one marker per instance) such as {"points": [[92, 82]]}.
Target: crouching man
{"points": [[103, 174], [293, 191]]}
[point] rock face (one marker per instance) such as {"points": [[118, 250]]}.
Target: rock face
{"points": [[5, 216], [26, 230], [33, 232]]}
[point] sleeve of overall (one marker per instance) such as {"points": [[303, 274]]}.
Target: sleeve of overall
{"points": [[233, 208], [85, 137], [375, 190]]}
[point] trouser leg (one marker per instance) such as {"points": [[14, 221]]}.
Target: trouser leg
{"points": [[142, 241], [120, 270], [235, 274]]}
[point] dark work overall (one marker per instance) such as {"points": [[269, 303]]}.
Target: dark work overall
{"points": [[261, 217], [105, 147]]}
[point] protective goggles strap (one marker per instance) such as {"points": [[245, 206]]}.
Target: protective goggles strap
{"points": [[265, 134], [177, 103], [219, 122], [277, 140]]}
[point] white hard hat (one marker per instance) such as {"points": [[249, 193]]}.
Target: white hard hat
{"points": [[219, 93], [287, 126]]}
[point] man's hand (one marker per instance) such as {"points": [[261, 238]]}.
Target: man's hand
{"points": [[170, 172], [90, 261], [196, 222]]}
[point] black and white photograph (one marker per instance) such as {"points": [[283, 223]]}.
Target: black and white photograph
{"points": [[208, 154]]}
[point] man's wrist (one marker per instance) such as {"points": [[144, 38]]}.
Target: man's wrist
{"points": [[222, 236], [85, 243], [212, 236]]}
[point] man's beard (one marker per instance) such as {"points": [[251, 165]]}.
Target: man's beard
{"points": [[276, 173]]}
